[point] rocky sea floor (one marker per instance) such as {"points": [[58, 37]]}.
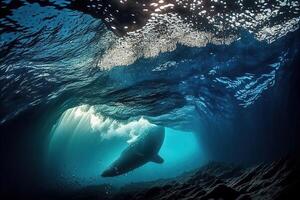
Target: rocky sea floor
{"points": [[216, 180]]}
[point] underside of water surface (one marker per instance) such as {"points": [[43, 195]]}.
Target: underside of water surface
{"points": [[83, 84]]}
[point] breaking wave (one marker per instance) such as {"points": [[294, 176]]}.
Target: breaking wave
{"points": [[85, 119], [179, 64], [190, 67]]}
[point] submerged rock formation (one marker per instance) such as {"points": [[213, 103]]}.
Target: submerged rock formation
{"points": [[276, 180]]}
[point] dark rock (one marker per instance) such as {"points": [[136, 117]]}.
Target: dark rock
{"points": [[244, 197], [152, 192], [221, 191], [277, 180]]}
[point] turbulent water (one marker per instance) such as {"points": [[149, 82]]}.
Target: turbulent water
{"points": [[55, 52], [179, 68]]}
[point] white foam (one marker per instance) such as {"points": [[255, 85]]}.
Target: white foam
{"points": [[86, 119], [159, 35], [164, 31]]}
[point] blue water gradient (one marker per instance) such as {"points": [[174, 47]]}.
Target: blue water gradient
{"points": [[229, 102], [78, 152]]}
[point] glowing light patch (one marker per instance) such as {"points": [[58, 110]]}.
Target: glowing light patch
{"points": [[84, 143], [86, 119]]}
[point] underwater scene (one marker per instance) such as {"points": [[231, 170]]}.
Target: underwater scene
{"points": [[150, 99]]}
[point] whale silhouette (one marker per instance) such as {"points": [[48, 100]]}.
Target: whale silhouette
{"points": [[145, 149]]}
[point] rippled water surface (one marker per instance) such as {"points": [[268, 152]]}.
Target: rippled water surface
{"points": [[54, 51]]}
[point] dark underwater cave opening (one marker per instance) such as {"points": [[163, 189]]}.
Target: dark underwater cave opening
{"points": [[262, 132], [266, 133], [235, 102]]}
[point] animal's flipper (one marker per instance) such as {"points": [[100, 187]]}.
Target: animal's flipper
{"points": [[157, 159]]}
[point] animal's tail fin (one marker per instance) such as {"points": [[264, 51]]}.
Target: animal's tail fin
{"points": [[157, 159]]}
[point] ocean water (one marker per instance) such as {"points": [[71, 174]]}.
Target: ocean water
{"points": [[74, 93], [82, 146]]}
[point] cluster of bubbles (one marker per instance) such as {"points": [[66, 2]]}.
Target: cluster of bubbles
{"points": [[195, 23]]}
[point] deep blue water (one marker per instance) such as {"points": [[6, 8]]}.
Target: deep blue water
{"points": [[81, 149], [65, 118]]}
